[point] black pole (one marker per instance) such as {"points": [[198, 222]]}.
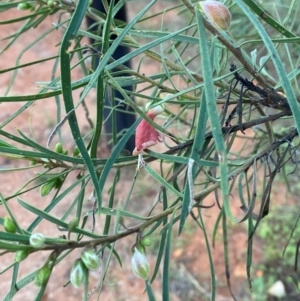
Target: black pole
{"points": [[124, 116]]}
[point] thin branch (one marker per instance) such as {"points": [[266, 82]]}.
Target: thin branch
{"points": [[198, 197]]}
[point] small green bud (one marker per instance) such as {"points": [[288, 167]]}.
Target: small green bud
{"points": [[59, 148], [140, 247], [146, 242], [65, 152], [57, 182], [21, 255], [217, 13], [32, 162], [46, 188], [76, 152], [9, 225], [50, 3], [42, 275], [73, 224], [78, 273], [36, 240], [90, 259], [139, 263], [24, 6]]}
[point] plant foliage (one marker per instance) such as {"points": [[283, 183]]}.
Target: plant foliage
{"points": [[230, 120]]}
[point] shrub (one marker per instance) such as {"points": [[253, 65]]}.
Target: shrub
{"points": [[230, 124]]}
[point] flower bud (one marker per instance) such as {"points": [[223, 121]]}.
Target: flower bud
{"points": [[50, 3], [57, 182], [73, 224], [21, 255], [42, 275], [146, 242], [139, 262], [146, 134], [36, 240], [78, 273], [47, 165], [32, 162], [24, 6], [9, 225], [59, 148], [76, 152], [90, 259], [217, 13], [46, 188]]}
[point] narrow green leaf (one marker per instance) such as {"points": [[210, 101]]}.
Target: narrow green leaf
{"points": [[226, 253], [101, 87], [144, 48], [211, 262], [14, 280], [166, 268], [109, 163], [216, 225], [160, 34], [162, 181], [6, 246], [149, 291], [180, 159], [67, 90], [196, 150], [111, 203], [263, 14], [162, 239], [213, 115], [20, 238]]}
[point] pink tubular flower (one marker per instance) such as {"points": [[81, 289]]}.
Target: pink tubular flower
{"points": [[146, 135]]}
